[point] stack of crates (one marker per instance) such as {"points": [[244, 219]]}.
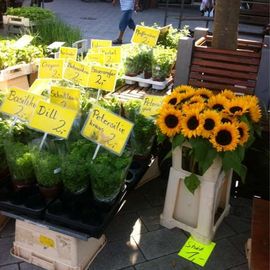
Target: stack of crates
{"points": [[200, 213], [16, 25]]}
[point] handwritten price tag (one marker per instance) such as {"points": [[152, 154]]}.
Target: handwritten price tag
{"points": [[52, 119], [40, 85], [151, 105], [51, 68], [112, 54], [66, 97], [108, 129], [145, 35], [20, 103], [94, 58], [96, 43], [77, 72], [196, 252], [103, 78], [68, 53]]}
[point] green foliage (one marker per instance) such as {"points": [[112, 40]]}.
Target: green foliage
{"points": [[192, 182], [132, 108], [111, 104], [19, 161], [76, 165], [35, 14], [108, 174], [46, 166]]}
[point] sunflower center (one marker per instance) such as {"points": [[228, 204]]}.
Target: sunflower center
{"points": [[235, 109], [218, 107], [173, 101], [224, 137], [192, 123], [204, 96], [225, 120], [185, 100], [209, 124], [171, 121], [241, 132]]}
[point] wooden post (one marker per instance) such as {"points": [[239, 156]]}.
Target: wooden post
{"points": [[183, 60]]}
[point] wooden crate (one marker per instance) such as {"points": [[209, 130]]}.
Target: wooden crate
{"points": [[218, 69], [20, 82]]}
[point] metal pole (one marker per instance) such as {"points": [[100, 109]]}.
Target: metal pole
{"points": [[166, 13], [181, 13]]}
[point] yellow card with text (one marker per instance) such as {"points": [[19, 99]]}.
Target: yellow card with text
{"points": [[40, 85], [145, 35], [52, 119], [108, 129], [112, 54], [50, 68], [68, 53], [103, 78], [151, 105], [66, 97], [20, 103], [94, 58], [196, 252], [77, 72], [96, 43]]}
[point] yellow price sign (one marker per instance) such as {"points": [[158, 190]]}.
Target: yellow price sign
{"points": [[65, 97], [96, 43], [103, 78], [51, 68], [145, 35], [107, 129], [77, 72], [196, 252], [52, 119], [40, 85], [112, 54], [20, 103], [68, 53], [151, 105], [46, 241], [94, 58]]}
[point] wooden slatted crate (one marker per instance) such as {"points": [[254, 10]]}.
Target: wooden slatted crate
{"points": [[218, 69]]}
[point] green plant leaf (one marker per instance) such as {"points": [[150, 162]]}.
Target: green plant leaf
{"points": [[169, 154], [177, 140], [160, 138], [240, 150], [192, 182], [204, 164]]}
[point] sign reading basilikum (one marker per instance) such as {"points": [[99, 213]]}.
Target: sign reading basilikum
{"points": [[52, 119], [145, 35], [20, 103], [107, 129]]}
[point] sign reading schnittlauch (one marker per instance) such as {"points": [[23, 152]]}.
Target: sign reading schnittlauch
{"points": [[151, 105], [107, 129], [103, 78], [52, 119], [97, 43], [68, 53], [20, 103], [145, 35], [66, 97], [77, 72], [51, 68]]}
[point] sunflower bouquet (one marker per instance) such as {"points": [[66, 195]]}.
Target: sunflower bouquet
{"points": [[222, 125]]}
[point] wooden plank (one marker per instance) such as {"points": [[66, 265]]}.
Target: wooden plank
{"points": [[225, 73], [216, 86], [223, 80], [227, 58], [216, 64], [260, 235]]}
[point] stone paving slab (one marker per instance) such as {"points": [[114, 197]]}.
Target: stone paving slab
{"points": [[238, 224], [5, 257], [241, 267], [223, 231], [239, 241], [27, 266], [10, 267], [8, 230]]}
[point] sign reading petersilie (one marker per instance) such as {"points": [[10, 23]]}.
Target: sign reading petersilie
{"points": [[107, 129], [52, 119]]}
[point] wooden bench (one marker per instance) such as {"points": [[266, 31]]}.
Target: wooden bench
{"points": [[218, 69]]}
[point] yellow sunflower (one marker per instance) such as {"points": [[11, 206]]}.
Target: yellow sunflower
{"points": [[184, 89], [171, 99], [191, 123], [228, 94], [251, 100], [189, 106], [210, 120], [225, 137], [217, 102], [255, 113], [204, 93], [225, 118], [236, 106], [169, 121], [244, 133]]}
